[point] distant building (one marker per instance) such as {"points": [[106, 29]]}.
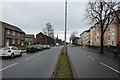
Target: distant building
{"points": [[95, 35], [11, 35], [41, 38], [29, 39], [44, 39], [85, 38], [92, 36]]}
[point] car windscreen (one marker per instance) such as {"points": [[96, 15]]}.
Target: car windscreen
{"points": [[29, 46], [5, 48]]}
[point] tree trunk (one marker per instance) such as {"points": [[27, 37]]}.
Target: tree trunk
{"points": [[102, 40], [101, 44]]}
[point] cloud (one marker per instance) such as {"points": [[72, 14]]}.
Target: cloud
{"points": [[33, 16]]}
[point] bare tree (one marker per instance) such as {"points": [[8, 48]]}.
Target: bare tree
{"points": [[48, 30], [72, 36], [102, 12]]}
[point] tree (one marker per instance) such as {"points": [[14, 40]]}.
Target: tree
{"points": [[72, 37], [102, 12], [48, 30]]}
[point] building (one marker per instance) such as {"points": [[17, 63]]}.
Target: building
{"points": [[93, 36], [85, 38], [41, 38], [11, 35], [44, 39], [114, 32], [97, 34], [111, 35], [29, 39]]}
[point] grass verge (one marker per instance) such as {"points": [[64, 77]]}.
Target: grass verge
{"points": [[23, 47], [64, 68]]}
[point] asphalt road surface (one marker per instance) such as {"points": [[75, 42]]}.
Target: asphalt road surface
{"points": [[87, 64], [34, 65]]}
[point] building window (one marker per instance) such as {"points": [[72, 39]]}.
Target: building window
{"points": [[7, 42], [13, 33], [13, 41], [112, 32], [18, 41], [18, 34], [112, 42], [22, 34], [8, 31], [109, 37], [108, 28], [22, 44]]}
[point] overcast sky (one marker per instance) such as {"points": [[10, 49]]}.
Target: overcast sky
{"points": [[32, 17]]}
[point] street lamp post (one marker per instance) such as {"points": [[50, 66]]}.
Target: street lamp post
{"points": [[65, 22]]}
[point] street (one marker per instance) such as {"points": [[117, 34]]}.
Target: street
{"points": [[87, 64], [34, 65]]}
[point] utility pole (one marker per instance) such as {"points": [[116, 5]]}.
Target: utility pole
{"points": [[65, 22]]}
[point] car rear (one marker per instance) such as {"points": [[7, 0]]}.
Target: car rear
{"points": [[31, 48], [5, 51]]}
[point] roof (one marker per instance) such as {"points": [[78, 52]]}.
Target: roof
{"points": [[12, 27], [29, 35], [40, 33]]}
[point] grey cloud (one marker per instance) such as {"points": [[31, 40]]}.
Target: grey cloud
{"points": [[33, 16]]}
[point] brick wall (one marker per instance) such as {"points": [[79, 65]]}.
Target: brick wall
{"points": [[41, 38]]}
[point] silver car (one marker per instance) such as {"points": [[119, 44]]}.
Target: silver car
{"points": [[10, 51]]}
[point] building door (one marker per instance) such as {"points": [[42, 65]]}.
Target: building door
{"points": [[22, 44], [7, 42]]}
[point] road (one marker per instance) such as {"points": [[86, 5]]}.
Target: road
{"points": [[34, 65], [87, 64]]}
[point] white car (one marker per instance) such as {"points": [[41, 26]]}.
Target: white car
{"points": [[10, 51]]}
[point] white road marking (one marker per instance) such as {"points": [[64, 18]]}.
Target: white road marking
{"points": [[91, 58], [110, 67], [41, 53], [33, 56], [29, 57], [8, 66]]}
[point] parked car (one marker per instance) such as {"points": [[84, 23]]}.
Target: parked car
{"points": [[10, 51], [72, 45], [31, 48], [48, 46], [39, 47], [44, 46]]}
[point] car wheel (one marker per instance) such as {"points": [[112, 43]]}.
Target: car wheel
{"points": [[20, 54], [27, 51], [12, 55]]}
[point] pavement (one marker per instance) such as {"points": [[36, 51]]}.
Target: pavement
{"points": [[89, 65], [107, 54], [33, 65]]}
